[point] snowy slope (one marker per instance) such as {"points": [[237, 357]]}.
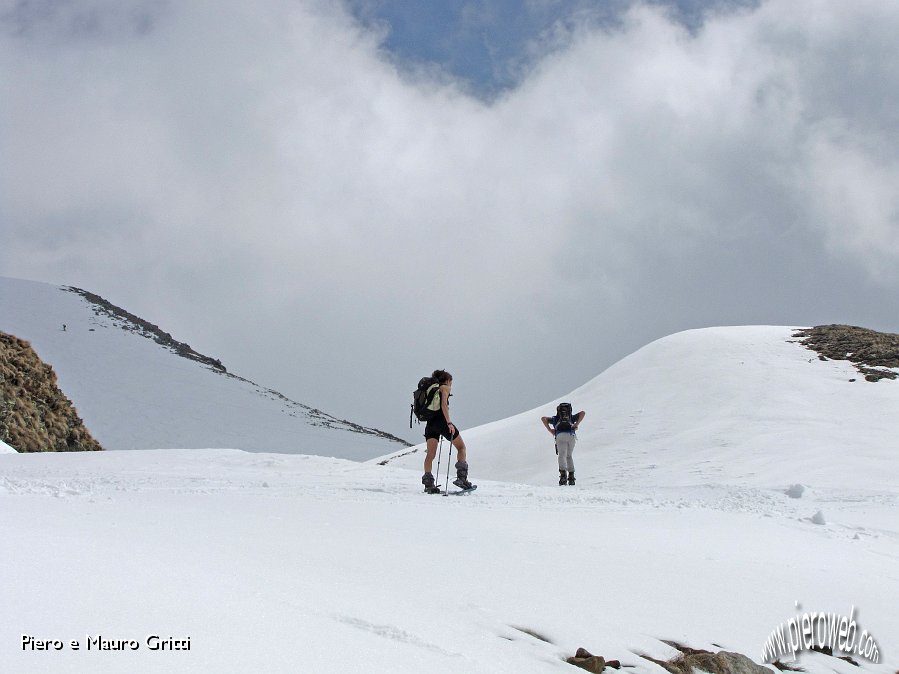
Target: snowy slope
{"points": [[134, 393], [291, 563], [735, 405], [5, 449]]}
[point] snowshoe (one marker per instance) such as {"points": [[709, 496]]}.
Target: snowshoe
{"points": [[464, 485]]}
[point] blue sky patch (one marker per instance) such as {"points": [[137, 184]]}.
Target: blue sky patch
{"points": [[490, 44]]}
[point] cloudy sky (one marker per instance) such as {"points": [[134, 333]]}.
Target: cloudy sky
{"points": [[336, 198]]}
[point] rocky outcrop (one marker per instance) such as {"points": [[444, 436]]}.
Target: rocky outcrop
{"points": [[693, 660], [130, 322], [870, 351], [722, 662], [35, 416], [591, 663]]}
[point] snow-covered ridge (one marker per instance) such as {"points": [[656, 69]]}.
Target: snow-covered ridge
{"points": [[128, 321], [748, 405], [136, 387]]}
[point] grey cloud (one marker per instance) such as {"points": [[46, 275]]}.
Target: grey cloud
{"points": [[56, 21]]}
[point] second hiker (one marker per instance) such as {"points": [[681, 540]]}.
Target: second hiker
{"points": [[563, 426], [439, 425]]}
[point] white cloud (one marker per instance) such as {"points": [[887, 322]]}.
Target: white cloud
{"points": [[262, 181]]}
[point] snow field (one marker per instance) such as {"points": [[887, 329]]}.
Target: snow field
{"points": [[279, 562]]}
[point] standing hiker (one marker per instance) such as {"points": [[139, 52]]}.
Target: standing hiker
{"points": [[439, 425], [563, 426]]}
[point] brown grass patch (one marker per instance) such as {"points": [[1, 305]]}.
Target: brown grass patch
{"points": [[35, 416], [866, 349]]}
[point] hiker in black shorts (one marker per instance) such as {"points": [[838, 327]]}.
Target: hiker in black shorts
{"points": [[440, 426]]}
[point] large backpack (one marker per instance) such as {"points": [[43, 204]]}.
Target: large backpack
{"points": [[564, 419], [425, 401]]}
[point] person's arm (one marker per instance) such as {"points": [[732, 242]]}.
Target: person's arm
{"points": [[545, 421], [579, 418], [444, 406]]}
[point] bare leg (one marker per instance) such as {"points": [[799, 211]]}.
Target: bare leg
{"points": [[430, 454], [460, 448]]}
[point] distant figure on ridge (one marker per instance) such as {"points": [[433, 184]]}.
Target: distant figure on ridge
{"points": [[437, 390], [562, 426]]}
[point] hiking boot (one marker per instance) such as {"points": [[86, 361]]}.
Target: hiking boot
{"points": [[428, 481], [571, 478], [563, 477], [461, 480]]}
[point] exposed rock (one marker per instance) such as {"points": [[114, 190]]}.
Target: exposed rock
{"points": [[35, 416], [870, 351], [587, 661], [722, 662], [127, 321], [827, 650], [132, 323]]}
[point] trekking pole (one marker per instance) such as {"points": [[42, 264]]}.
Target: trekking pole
{"points": [[449, 460], [439, 455]]}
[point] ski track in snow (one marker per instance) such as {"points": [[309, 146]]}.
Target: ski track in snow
{"points": [[393, 633]]}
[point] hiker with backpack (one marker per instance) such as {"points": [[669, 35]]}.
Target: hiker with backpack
{"points": [[563, 426], [431, 404]]}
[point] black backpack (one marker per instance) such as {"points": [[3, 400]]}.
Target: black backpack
{"points": [[564, 418], [422, 398]]}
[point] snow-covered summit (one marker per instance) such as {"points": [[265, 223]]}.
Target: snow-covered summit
{"points": [[137, 388], [743, 405]]}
